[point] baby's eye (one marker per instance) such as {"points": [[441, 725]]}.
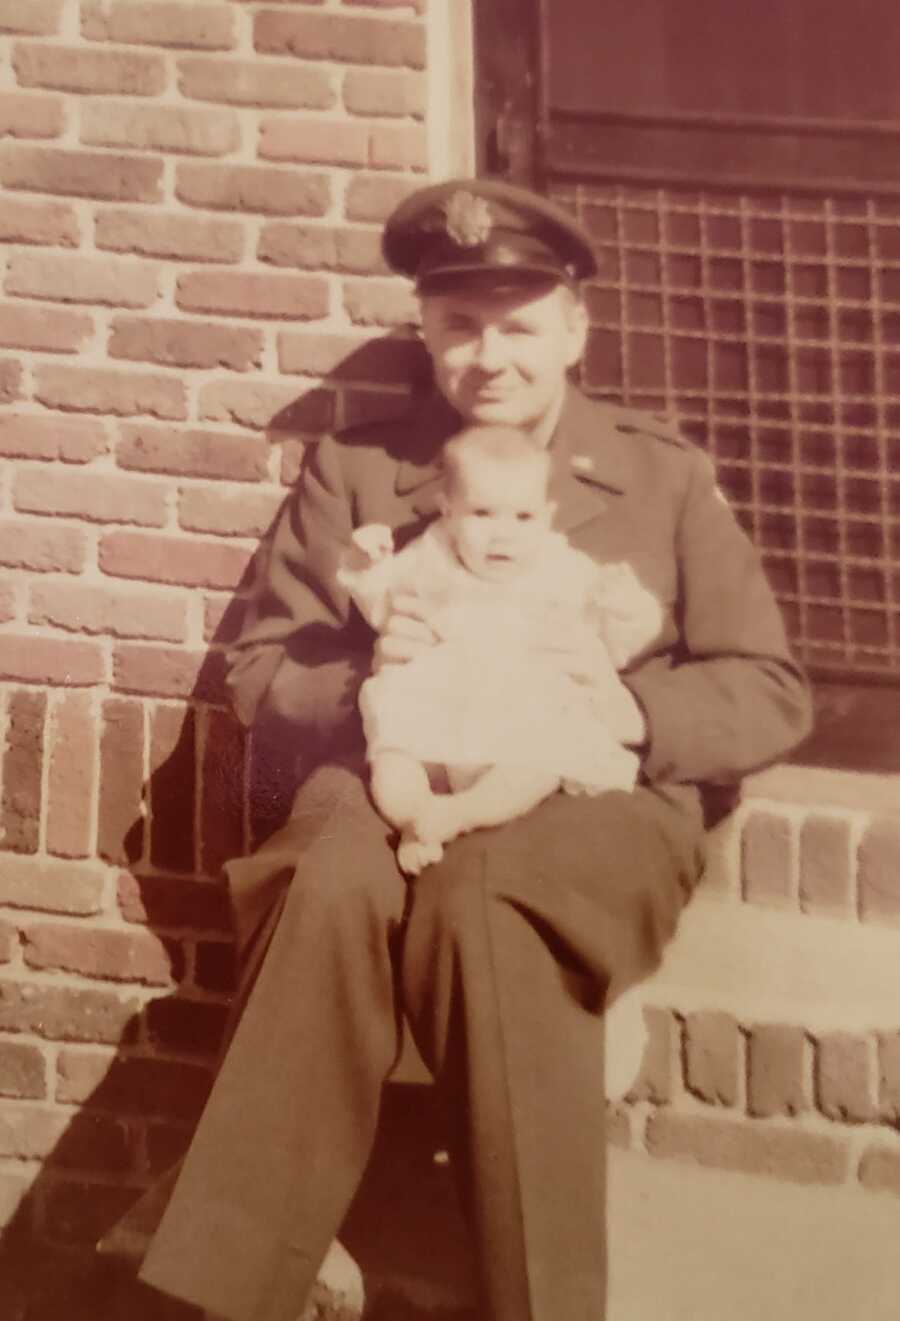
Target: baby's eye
{"points": [[524, 516], [481, 513]]}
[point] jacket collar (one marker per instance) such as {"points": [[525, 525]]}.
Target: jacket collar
{"points": [[590, 456]]}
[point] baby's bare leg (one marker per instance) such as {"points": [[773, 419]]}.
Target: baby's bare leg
{"points": [[499, 795], [403, 796]]}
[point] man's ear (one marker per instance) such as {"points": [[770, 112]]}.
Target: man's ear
{"points": [[578, 328]]}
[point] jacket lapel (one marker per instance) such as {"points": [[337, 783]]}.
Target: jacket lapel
{"points": [[591, 462], [419, 468]]}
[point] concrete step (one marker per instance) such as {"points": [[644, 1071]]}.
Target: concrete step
{"points": [[692, 1244]]}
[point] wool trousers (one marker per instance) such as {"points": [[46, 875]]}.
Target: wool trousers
{"points": [[502, 958]]}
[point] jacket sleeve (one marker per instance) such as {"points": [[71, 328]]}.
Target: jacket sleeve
{"points": [[731, 698], [299, 657]]}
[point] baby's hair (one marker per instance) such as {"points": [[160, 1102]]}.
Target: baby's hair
{"points": [[497, 444]]}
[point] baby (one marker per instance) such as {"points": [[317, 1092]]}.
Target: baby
{"points": [[490, 704]]}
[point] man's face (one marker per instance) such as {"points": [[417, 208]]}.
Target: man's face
{"points": [[497, 515], [501, 355]]}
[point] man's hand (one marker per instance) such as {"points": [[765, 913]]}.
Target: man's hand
{"points": [[407, 633], [585, 658]]}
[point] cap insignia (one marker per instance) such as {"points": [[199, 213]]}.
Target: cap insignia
{"points": [[468, 219]]}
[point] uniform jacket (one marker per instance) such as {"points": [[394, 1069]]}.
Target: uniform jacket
{"points": [[720, 691]]}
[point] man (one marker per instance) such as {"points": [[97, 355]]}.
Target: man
{"points": [[504, 955]]}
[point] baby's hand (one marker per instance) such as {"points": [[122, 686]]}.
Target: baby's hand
{"points": [[375, 541]]}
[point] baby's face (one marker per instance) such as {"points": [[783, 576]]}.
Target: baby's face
{"points": [[497, 515]]}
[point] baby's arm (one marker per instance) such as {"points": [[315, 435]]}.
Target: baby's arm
{"points": [[366, 570]]}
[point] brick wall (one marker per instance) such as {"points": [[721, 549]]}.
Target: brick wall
{"points": [[774, 1044], [190, 198]]}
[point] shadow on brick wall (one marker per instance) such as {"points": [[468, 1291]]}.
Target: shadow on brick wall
{"points": [[212, 794]]}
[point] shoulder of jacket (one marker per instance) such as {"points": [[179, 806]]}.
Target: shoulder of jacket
{"points": [[657, 426]]}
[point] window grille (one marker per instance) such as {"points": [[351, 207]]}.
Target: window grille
{"points": [[771, 325]]}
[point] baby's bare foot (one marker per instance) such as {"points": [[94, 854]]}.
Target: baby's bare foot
{"points": [[414, 854]]}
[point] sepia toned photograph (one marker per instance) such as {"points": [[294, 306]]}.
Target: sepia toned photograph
{"points": [[449, 660]]}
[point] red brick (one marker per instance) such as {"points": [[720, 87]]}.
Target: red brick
{"points": [[52, 886], [126, 612], [169, 902], [193, 453], [38, 222], [222, 785], [31, 116], [41, 546], [75, 279], [379, 303], [384, 92], [23, 756], [174, 128], [189, 26], [9, 942], [228, 513], [75, 1215], [29, 1133], [215, 966], [56, 331], [64, 1013], [36, 18], [398, 147], [185, 343], [82, 174], [374, 196], [185, 238], [264, 189], [7, 603], [73, 772], [277, 408], [878, 876], [844, 1078], [30, 659], [185, 561], [169, 672], [81, 69], [222, 618], [99, 390], [96, 1143], [339, 37], [359, 251], [173, 765], [121, 956], [298, 297], [251, 83], [777, 1071], [121, 781], [381, 360], [889, 1076], [282, 243], [22, 1071], [10, 382], [314, 141], [656, 1080], [767, 860], [712, 1057], [879, 1169], [186, 1027], [74, 440], [826, 866], [99, 498], [132, 1086], [748, 1147]]}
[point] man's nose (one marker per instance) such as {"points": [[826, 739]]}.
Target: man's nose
{"points": [[490, 350]]}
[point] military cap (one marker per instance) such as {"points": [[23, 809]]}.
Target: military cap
{"points": [[464, 230]]}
